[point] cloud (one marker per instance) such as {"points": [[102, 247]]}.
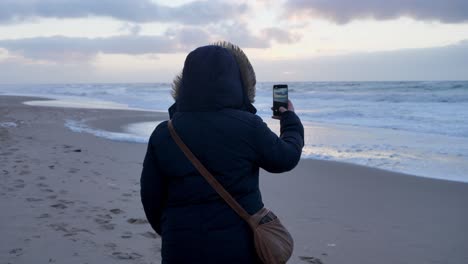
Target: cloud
{"points": [[61, 48], [239, 34], [140, 11], [174, 40], [133, 29], [437, 63], [343, 11], [280, 35]]}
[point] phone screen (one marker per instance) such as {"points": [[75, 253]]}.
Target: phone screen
{"points": [[280, 98]]}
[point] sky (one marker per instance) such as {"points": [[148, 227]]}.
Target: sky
{"points": [[79, 41]]}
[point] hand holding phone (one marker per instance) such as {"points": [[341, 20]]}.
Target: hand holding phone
{"points": [[282, 109], [280, 99]]}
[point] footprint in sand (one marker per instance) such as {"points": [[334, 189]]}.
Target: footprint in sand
{"points": [[110, 245], [6, 153], [45, 215], [66, 201], [81, 210], [20, 185], [73, 170], [32, 199], [69, 149], [16, 251], [75, 230], [68, 232], [96, 209], [126, 234], [106, 216], [311, 260], [108, 226], [62, 227], [59, 206], [137, 221], [104, 222], [42, 185], [116, 211], [24, 172], [149, 234], [112, 186], [127, 256], [101, 221]]}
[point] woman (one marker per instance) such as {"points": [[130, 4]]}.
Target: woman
{"points": [[214, 116]]}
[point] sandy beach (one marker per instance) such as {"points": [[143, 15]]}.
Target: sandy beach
{"points": [[68, 197]]}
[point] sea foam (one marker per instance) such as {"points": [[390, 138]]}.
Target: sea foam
{"points": [[82, 127]]}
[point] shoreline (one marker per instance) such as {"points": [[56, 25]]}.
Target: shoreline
{"points": [[115, 127], [73, 198]]}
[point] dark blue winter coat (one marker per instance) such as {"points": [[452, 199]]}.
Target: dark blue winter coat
{"points": [[215, 119]]}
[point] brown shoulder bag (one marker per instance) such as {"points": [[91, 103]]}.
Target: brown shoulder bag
{"points": [[272, 241]]}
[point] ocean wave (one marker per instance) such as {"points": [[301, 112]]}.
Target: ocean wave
{"points": [[82, 127], [427, 107]]}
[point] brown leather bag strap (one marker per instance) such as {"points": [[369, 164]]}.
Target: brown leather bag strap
{"points": [[208, 176]]}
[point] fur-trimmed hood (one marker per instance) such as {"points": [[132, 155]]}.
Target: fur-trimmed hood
{"points": [[214, 77]]}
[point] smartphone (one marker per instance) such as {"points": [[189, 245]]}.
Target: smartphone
{"points": [[280, 98]]}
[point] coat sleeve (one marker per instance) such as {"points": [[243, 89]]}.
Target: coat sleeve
{"points": [[153, 189], [280, 154]]}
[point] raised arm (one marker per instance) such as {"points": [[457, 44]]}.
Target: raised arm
{"points": [[280, 154]]}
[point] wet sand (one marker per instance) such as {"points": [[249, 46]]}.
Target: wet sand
{"points": [[69, 197]]}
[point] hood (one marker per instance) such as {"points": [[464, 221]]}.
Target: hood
{"points": [[214, 77]]}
